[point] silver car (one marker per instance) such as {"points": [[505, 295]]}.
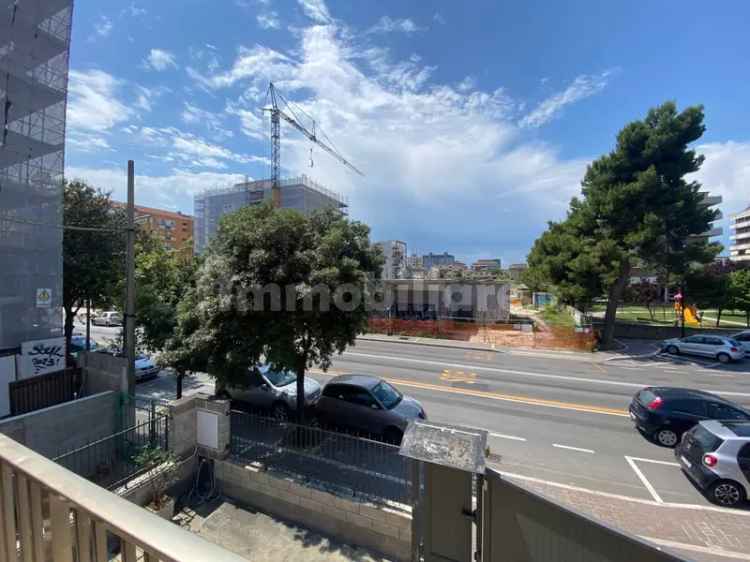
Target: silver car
{"points": [[743, 338], [273, 390], [721, 348], [716, 456], [368, 405]]}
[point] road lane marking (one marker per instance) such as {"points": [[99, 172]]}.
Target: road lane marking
{"points": [[569, 448], [503, 436], [526, 373], [643, 479], [458, 376], [503, 397], [713, 551], [653, 461]]}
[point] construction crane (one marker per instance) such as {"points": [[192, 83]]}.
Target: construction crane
{"points": [[277, 115]]}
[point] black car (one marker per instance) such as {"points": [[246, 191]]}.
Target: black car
{"points": [[665, 413]]}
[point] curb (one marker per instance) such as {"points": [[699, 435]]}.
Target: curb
{"points": [[430, 344]]}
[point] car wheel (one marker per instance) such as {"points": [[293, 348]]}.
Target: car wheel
{"points": [[393, 436], [667, 437], [727, 493], [280, 412], [673, 350], [723, 358]]}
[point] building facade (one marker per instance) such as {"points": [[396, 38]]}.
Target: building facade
{"points": [[739, 250], [34, 53], [300, 193], [494, 264], [394, 256], [174, 228], [437, 260], [516, 271]]}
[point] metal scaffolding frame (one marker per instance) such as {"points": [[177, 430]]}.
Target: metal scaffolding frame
{"points": [[34, 61]]}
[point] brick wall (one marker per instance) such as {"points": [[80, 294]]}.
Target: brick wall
{"points": [[383, 529]]}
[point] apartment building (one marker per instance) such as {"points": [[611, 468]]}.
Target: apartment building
{"points": [[395, 259], [174, 228], [739, 250], [494, 264], [437, 260]]}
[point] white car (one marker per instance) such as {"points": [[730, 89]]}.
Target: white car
{"points": [[743, 338], [721, 348], [110, 318]]}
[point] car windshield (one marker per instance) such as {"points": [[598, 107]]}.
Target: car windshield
{"points": [[280, 378], [387, 395], [734, 343], [708, 441]]}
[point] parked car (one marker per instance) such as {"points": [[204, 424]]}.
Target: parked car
{"points": [[743, 338], [721, 348], [367, 404], [145, 368], [110, 318], [665, 413], [273, 390], [716, 456], [78, 344]]}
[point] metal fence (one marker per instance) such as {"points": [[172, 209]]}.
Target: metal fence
{"points": [[363, 467], [29, 395], [111, 461]]}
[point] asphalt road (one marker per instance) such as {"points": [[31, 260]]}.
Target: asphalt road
{"points": [[555, 417]]}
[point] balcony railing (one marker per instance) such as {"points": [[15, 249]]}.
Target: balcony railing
{"points": [[49, 513]]}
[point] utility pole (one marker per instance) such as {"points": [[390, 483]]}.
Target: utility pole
{"points": [[130, 272], [88, 325]]}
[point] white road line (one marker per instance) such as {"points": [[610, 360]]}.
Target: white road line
{"points": [[569, 448], [643, 479], [653, 461], [503, 436], [524, 373], [697, 548]]}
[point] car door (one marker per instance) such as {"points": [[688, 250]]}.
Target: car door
{"points": [[363, 411], [744, 341], [254, 393], [685, 413], [335, 407], [743, 460], [691, 344], [712, 345]]}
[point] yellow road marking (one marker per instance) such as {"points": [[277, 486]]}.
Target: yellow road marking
{"points": [[504, 397], [458, 376]]}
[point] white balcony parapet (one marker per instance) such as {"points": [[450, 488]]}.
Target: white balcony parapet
{"points": [[80, 517]]}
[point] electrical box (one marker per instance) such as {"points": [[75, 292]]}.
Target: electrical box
{"points": [[208, 429]]}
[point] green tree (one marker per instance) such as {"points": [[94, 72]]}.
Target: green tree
{"points": [[93, 250], [710, 287], [739, 292], [261, 295], [636, 208]]}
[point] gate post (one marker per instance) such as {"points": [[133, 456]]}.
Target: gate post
{"points": [[447, 461]]}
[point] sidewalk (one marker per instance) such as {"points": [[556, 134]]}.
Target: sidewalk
{"points": [[702, 534]]}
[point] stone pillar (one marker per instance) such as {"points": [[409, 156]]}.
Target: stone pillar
{"points": [[182, 426]]}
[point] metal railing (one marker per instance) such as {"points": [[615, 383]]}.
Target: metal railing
{"points": [[49, 513], [111, 461], [356, 465]]}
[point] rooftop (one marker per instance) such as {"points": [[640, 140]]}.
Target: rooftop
{"points": [[265, 184]]}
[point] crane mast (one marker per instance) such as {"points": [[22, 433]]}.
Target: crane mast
{"points": [[277, 115]]}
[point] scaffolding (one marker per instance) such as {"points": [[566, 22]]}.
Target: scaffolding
{"points": [[34, 53]]}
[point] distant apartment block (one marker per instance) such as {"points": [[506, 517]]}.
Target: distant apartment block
{"points": [[34, 52], [487, 265], [437, 260], [516, 271], [300, 193], [174, 228], [394, 255], [739, 251], [711, 201]]}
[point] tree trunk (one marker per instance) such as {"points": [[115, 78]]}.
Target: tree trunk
{"points": [[301, 390], [180, 376], [69, 316], [747, 316], [615, 294], [718, 318]]}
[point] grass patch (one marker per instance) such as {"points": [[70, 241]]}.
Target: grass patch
{"points": [[666, 316], [554, 316]]}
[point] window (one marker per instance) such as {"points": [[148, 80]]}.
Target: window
{"points": [[720, 411], [387, 395], [743, 337], [693, 339], [280, 378], [713, 341], [691, 407], [708, 441], [333, 391], [360, 397]]}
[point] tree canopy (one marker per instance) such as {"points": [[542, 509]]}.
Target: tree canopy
{"points": [[636, 209], [279, 287], [93, 260]]}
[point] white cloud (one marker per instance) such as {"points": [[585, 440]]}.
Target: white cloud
{"points": [[387, 25], [268, 20], [173, 191], [434, 155], [439, 18], [93, 103], [316, 10], [103, 26], [144, 97], [213, 122], [159, 59], [133, 10], [584, 86]]}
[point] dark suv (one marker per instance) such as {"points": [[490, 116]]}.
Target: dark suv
{"points": [[665, 413]]}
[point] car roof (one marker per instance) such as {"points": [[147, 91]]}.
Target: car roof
{"points": [[728, 430], [739, 428], [365, 381], [676, 393]]}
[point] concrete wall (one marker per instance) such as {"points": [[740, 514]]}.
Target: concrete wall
{"points": [[646, 332], [105, 372], [385, 530], [63, 427], [184, 431]]}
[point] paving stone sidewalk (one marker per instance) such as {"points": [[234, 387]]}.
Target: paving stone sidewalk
{"points": [[702, 535]]}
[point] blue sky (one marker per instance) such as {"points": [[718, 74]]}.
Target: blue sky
{"points": [[473, 122]]}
